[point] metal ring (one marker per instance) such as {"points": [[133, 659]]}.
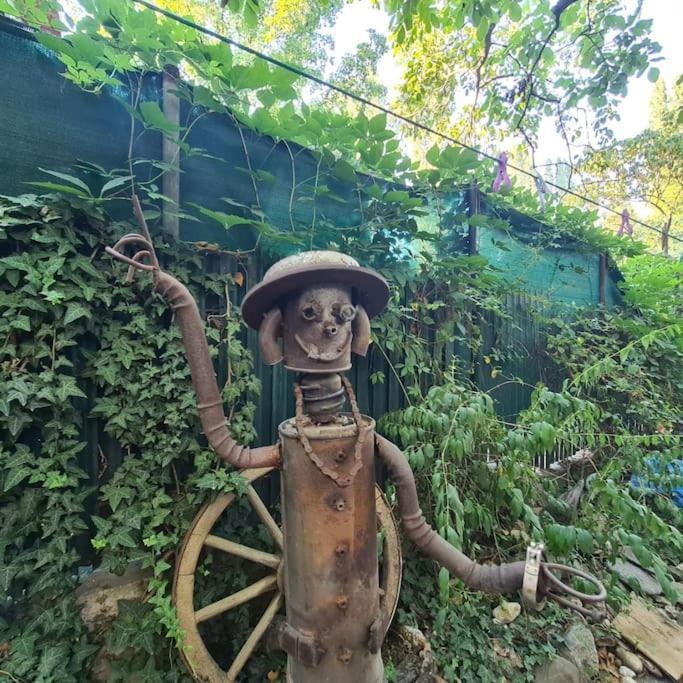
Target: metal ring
{"points": [[593, 614], [584, 597]]}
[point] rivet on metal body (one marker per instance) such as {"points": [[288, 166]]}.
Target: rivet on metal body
{"points": [[344, 655]]}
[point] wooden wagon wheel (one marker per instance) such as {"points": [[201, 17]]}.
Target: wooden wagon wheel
{"points": [[197, 657]]}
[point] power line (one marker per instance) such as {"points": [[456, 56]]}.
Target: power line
{"points": [[359, 98]]}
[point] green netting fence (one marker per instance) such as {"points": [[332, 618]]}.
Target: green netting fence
{"points": [[47, 122]]}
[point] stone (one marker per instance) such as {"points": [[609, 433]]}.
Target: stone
{"points": [[557, 670], [98, 596], [579, 648], [630, 659], [506, 653], [631, 573], [506, 612], [655, 671], [625, 672], [418, 665], [678, 571]]}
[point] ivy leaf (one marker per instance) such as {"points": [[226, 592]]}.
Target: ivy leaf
{"points": [[21, 322], [16, 476], [15, 263], [16, 423], [123, 538], [53, 658], [74, 312]]}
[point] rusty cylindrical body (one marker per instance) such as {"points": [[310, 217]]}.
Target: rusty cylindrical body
{"points": [[330, 531]]}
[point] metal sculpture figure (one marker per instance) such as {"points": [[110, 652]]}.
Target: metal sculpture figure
{"points": [[319, 304]]}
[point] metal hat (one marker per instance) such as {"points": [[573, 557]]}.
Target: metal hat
{"points": [[294, 273]]}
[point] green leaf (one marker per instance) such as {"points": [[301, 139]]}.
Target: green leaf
{"points": [[433, 155], [155, 118], [16, 476], [114, 183], [57, 187], [377, 123], [227, 220], [73, 180], [21, 322], [653, 74], [344, 170], [74, 312]]}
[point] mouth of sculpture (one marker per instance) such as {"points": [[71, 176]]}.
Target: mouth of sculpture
{"points": [[314, 353]]}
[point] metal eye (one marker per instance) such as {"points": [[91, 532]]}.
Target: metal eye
{"points": [[310, 311], [346, 312]]}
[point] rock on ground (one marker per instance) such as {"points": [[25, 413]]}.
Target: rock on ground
{"points": [[629, 572], [558, 670], [630, 659], [506, 612], [417, 665], [579, 648]]}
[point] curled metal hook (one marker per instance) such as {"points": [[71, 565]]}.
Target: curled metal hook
{"points": [[144, 240]]}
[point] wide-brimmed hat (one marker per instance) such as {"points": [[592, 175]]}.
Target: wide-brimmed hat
{"points": [[296, 272]]}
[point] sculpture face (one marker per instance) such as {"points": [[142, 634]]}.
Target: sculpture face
{"points": [[318, 329]]}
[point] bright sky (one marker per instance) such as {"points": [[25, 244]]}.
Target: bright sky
{"points": [[356, 18]]}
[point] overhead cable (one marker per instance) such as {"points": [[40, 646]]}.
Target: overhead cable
{"points": [[389, 112]]}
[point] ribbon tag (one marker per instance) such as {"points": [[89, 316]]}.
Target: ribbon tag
{"points": [[542, 189], [625, 227], [502, 177]]}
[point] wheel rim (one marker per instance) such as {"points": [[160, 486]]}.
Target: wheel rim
{"points": [[195, 654]]}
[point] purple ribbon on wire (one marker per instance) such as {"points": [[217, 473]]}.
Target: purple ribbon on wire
{"points": [[625, 227], [502, 177]]}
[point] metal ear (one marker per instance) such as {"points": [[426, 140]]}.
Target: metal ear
{"points": [[268, 333], [361, 332]]}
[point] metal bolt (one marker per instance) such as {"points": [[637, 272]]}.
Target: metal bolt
{"points": [[340, 456], [344, 655], [341, 550], [340, 504], [342, 602]]}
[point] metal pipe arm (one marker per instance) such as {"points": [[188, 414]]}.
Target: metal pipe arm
{"points": [[209, 401], [197, 353], [504, 578]]}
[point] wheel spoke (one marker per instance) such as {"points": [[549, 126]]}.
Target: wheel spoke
{"points": [[272, 561], [249, 593], [262, 511], [254, 638]]}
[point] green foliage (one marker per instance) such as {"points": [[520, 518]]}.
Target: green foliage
{"points": [[77, 344], [466, 643]]}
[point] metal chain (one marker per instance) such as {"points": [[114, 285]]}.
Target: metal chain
{"points": [[340, 480]]}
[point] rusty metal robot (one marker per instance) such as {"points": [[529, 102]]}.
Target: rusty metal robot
{"points": [[312, 310]]}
